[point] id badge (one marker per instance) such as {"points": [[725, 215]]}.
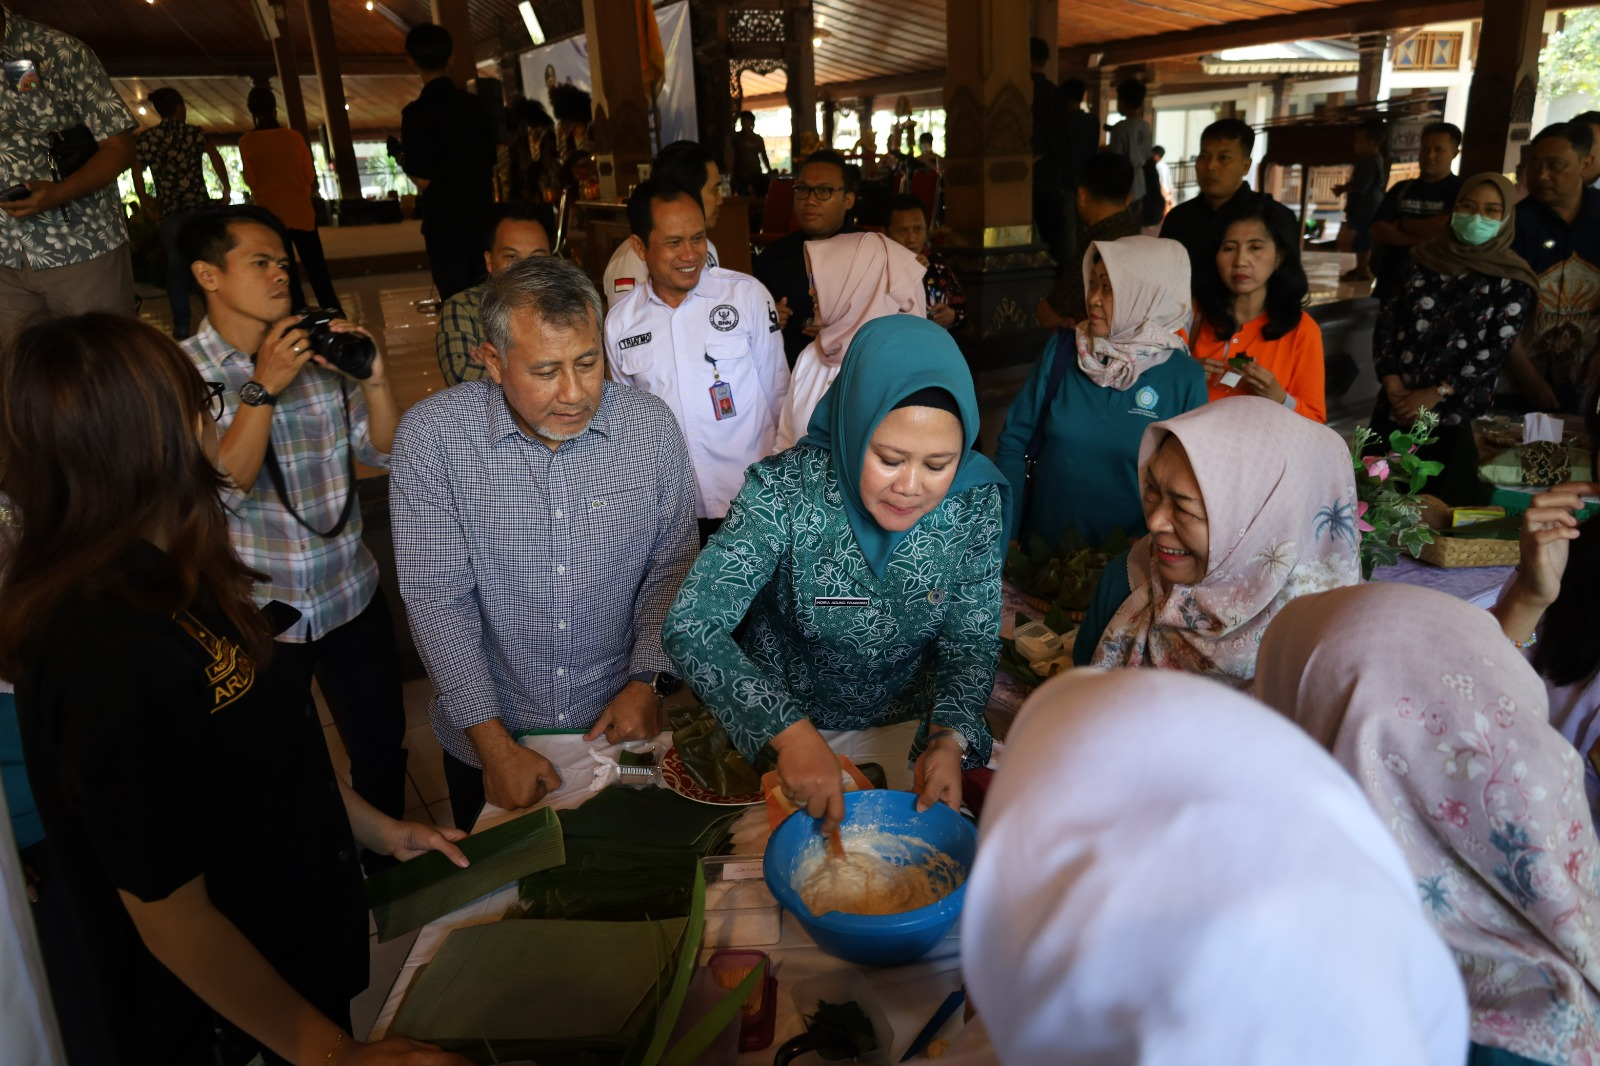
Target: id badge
{"points": [[22, 75], [722, 401]]}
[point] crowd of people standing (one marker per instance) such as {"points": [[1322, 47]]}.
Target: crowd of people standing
{"points": [[769, 487]]}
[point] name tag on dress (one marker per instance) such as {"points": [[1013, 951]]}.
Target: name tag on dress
{"points": [[842, 601]]}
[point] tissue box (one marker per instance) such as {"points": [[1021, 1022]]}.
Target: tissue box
{"points": [[1036, 641]]}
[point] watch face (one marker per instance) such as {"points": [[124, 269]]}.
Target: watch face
{"points": [[254, 394]]}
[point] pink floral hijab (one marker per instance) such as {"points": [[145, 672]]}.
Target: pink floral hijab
{"points": [[1444, 726], [1280, 502], [1150, 308], [860, 277]]}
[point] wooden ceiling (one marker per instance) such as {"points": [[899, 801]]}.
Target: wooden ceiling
{"points": [[218, 104], [209, 49]]}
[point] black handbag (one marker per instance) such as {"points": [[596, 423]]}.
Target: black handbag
{"points": [[70, 149]]}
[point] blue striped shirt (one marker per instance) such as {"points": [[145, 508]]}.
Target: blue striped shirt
{"points": [[536, 581]]}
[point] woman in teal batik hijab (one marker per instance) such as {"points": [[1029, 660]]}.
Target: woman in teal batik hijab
{"points": [[864, 565]]}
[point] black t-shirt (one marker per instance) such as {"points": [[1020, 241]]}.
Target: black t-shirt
{"points": [[782, 269], [158, 753], [1409, 199], [1193, 224], [449, 142]]}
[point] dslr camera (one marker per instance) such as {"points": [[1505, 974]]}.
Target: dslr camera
{"points": [[349, 352]]}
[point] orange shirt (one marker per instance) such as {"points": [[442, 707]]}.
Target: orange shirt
{"points": [[1295, 359], [277, 167]]}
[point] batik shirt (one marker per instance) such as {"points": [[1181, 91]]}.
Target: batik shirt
{"points": [[173, 151], [70, 89], [459, 332], [824, 637]]}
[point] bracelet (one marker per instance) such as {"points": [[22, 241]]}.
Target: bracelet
{"points": [[1524, 645], [334, 1049]]}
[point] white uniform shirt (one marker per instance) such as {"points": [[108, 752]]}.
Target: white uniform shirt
{"points": [[730, 318], [626, 271]]}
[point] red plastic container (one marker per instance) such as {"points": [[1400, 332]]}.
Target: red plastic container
{"points": [[760, 1013]]}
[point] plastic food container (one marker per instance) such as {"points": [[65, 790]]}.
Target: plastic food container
{"points": [[760, 1012], [741, 913], [845, 986]]}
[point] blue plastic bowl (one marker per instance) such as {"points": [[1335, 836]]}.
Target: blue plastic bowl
{"points": [[874, 940]]}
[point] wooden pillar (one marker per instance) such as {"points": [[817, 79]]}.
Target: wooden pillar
{"points": [[1045, 19], [1369, 72], [1105, 99], [326, 55], [294, 101], [988, 179], [800, 57], [1281, 86], [452, 15], [620, 133], [1504, 81], [869, 141]]}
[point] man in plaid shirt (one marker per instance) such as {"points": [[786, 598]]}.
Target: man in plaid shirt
{"points": [[517, 231], [291, 431]]}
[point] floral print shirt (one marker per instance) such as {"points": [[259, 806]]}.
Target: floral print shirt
{"points": [[173, 151], [1453, 329], [824, 638], [71, 89]]}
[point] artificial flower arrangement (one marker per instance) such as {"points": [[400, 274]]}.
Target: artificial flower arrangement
{"points": [[1388, 490]]}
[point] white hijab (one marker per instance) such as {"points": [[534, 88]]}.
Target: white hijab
{"points": [[1170, 873]]}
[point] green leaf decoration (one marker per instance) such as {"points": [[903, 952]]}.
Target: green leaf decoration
{"points": [[688, 951]]}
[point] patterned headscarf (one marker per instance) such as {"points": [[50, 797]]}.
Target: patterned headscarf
{"points": [[1150, 306], [860, 277], [1443, 724], [1280, 499], [1168, 872]]}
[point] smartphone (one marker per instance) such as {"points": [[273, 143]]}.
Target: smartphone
{"points": [[15, 193]]}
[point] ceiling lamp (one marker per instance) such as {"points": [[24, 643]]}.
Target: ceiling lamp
{"points": [[530, 20], [369, 5], [141, 109], [817, 38]]}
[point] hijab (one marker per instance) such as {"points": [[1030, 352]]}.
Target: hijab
{"points": [[1150, 306], [859, 277], [1169, 873], [1451, 255], [889, 360], [1280, 502], [1442, 723]]}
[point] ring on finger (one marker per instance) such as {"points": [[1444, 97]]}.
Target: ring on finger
{"points": [[296, 349]]}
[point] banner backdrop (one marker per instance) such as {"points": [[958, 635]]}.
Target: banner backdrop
{"points": [[568, 60]]}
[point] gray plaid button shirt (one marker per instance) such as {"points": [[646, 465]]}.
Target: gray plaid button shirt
{"points": [[536, 581], [329, 580]]}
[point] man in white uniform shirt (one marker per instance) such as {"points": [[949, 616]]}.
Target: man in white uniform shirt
{"points": [[703, 339], [689, 166]]}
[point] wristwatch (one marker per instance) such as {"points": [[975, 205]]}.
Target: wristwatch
{"points": [[663, 684], [945, 732], [255, 394], [1445, 390]]}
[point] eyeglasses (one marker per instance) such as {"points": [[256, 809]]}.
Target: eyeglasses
{"points": [[215, 390], [821, 193]]}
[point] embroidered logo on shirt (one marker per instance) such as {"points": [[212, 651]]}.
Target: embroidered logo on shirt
{"points": [[622, 285], [633, 342], [772, 319], [842, 601], [724, 317], [230, 673], [1145, 400]]}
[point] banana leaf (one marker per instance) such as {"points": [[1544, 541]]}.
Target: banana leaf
{"points": [[414, 893], [654, 816], [603, 880], [709, 755], [514, 988], [701, 1035]]}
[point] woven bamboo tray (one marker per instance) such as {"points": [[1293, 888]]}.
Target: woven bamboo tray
{"points": [[1457, 552]]}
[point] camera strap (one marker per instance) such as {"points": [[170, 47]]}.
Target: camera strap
{"points": [[275, 475]]}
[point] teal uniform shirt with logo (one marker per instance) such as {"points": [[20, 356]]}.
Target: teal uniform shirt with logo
{"points": [[824, 637], [1088, 470]]}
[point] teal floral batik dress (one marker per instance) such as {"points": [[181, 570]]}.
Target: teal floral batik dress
{"points": [[824, 636]]}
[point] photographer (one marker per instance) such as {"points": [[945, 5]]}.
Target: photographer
{"points": [[290, 435], [65, 135]]}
